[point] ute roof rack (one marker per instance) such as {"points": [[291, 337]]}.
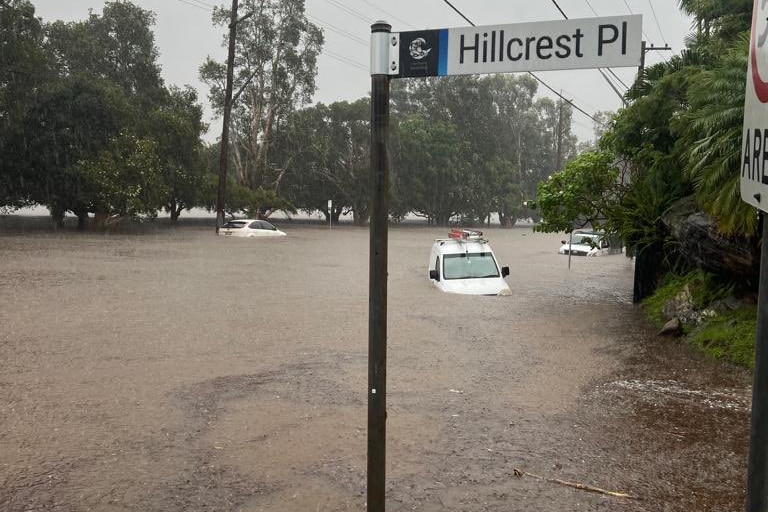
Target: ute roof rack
{"points": [[464, 235]]}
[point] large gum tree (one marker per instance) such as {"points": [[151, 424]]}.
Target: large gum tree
{"points": [[275, 68]]}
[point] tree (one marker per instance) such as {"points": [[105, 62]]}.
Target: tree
{"points": [[304, 147], [117, 47], [175, 126], [495, 120], [72, 120], [428, 174], [711, 135], [275, 68], [22, 74], [123, 180], [585, 193]]}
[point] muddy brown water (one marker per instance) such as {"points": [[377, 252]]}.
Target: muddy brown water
{"points": [[172, 370]]}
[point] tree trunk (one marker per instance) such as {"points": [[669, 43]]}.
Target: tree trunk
{"points": [[360, 216], [57, 217], [507, 221], [82, 218], [100, 219], [648, 263], [174, 209], [336, 214]]}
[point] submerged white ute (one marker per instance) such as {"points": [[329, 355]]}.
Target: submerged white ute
{"points": [[465, 263]]}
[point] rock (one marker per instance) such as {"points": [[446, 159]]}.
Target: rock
{"points": [[682, 308], [706, 248], [672, 328]]}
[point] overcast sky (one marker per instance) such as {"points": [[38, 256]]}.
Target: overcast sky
{"points": [[185, 36]]}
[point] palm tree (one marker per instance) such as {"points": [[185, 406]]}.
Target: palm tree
{"points": [[712, 132]]}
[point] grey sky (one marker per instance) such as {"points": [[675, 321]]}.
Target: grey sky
{"points": [[185, 36]]}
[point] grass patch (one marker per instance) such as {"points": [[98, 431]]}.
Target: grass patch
{"points": [[667, 291], [729, 336]]}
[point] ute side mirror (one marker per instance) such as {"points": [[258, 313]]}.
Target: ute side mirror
{"points": [[434, 275], [504, 271]]}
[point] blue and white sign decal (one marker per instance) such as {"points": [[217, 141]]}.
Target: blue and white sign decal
{"points": [[541, 46]]}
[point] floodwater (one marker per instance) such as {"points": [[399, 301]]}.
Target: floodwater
{"points": [[172, 370]]}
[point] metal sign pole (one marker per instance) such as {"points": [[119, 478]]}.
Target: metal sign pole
{"points": [[377, 292], [757, 470]]}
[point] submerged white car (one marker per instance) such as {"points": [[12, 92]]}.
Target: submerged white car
{"points": [[465, 263], [249, 228], [584, 244]]}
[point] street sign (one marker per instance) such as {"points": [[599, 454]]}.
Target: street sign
{"points": [[570, 44], [541, 46], [754, 143]]}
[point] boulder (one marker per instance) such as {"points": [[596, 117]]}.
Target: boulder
{"points": [[672, 328], [706, 248]]}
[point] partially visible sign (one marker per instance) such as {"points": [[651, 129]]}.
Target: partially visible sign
{"points": [[754, 142], [541, 46]]}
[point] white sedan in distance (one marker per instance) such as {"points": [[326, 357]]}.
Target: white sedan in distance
{"points": [[249, 228]]}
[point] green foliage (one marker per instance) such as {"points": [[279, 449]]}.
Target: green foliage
{"points": [[22, 73], [430, 178], [729, 336], [506, 141], [324, 152], [704, 289], [123, 180], [585, 192], [117, 46], [175, 126], [70, 95], [274, 73], [654, 304], [711, 137]]}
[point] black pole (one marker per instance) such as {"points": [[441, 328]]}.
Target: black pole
{"points": [[227, 111], [377, 292], [757, 470]]}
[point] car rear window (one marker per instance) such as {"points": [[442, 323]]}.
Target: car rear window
{"points": [[235, 224]]}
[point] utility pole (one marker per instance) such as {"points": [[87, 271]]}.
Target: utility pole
{"points": [[644, 49], [559, 138], [223, 160]]}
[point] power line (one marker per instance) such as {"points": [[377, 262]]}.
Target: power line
{"points": [[591, 8], [392, 16], [340, 58], [632, 12], [349, 10], [658, 25], [459, 12], [346, 60], [340, 31], [570, 102], [559, 9], [610, 83], [617, 78], [193, 4]]}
